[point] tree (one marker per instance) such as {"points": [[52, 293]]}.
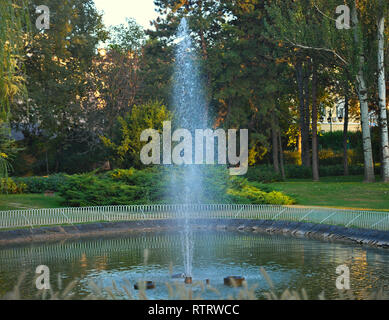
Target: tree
{"points": [[342, 50], [205, 17], [362, 91], [129, 37], [315, 149], [115, 82], [14, 24], [57, 61], [382, 90], [125, 145]]}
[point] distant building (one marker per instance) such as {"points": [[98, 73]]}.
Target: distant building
{"points": [[332, 119]]}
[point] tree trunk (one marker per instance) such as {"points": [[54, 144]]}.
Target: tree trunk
{"points": [[307, 120], [47, 164], [303, 133], [315, 151], [345, 134], [362, 94], [382, 99], [281, 156], [274, 133]]}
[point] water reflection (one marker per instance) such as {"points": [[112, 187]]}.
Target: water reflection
{"points": [[291, 263]]}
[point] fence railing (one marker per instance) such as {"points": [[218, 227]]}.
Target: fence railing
{"points": [[62, 216]]}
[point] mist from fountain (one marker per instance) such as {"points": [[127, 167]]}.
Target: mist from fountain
{"points": [[190, 113]]}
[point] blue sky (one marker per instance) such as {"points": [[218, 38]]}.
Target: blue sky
{"points": [[116, 11]]}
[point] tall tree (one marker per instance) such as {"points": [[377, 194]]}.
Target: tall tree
{"points": [[382, 9], [117, 72], [362, 91], [57, 61], [345, 131], [14, 26], [205, 17], [315, 149]]}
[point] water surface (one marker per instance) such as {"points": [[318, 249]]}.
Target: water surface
{"points": [[291, 263]]}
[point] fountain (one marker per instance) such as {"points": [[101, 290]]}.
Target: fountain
{"points": [[190, 113]]}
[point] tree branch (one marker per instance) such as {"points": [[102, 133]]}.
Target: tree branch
{"points": [[318, 49]]}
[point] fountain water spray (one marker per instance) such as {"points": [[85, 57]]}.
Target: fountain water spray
{"points": [[190, 112]]}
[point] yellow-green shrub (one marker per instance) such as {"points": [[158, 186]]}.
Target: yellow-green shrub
{"points": [[292, 157], [249, 194], [8, 186]]}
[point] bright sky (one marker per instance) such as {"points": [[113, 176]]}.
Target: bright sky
{"points": [[116, 11]]}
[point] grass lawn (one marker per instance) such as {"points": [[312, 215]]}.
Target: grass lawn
{"points": [[28, 201], [340, 192]]}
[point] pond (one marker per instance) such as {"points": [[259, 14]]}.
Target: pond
{"points": [[291, 263]]}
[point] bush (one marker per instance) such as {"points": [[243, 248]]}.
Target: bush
{"points": [[298, 172], [266, 174], [292, 157], [9, 186], [263, 173], [124, 146], [150, 186], [90, 190], [42, 184], [242, 192], [329, 157]]}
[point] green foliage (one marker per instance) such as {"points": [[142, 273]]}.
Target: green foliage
{"points": [[242, 192], [334, 140], [292, 157], [125, 146], [42, 184], [125, 38], [151, 186], [263, 173], [8, 150], [13, 23], [57, 62], [266, 174], [298, 172], [90, 190], [9, 186]]}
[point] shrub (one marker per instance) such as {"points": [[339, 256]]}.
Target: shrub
{"points": [[7, 185], [263, 173], [298, 172], [124, 146], [242, 192], [292, 157], [329, 157], [333, 140], [42, 184], [90, 190], [120, 187]]}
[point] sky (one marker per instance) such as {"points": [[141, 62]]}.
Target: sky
{"points": [[116, 11]]}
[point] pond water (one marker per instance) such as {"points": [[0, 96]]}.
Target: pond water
{"points": [[291, 263]]}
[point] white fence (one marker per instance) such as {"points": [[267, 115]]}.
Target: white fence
{"points": [[46, 217]]}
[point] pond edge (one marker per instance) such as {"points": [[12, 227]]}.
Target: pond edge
{"points": [[372, 238]]}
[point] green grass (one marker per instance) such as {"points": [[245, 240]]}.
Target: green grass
{"points": [[29, 201], [338, 192]]}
